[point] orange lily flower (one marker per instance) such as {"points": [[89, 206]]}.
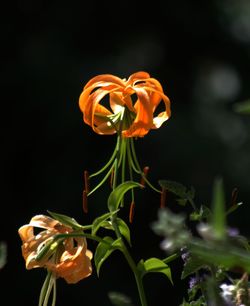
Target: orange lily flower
{"points": [[68, 258], [133, 119]]}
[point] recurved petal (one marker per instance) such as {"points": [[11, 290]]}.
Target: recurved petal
{"points": [[155, 91], [163, 116], [116, 102], [102, 124], [91, 106], [84, 97], [105, 128], [43, 221], [32, 242], [26, 231], [101, 114], [137, 76], [159, 120], [105, 78], [144, 116], [75, 262], [31, 248], [76, 270]]}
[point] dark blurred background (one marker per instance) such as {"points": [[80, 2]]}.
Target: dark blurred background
{"points": [[198, 50]]}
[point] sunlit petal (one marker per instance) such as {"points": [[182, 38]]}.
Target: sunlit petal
{"points": [[144, 117], [138, 76], [72, 262], [107, 78], [121, 94]]}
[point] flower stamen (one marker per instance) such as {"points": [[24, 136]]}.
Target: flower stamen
{"points": [[144, 175], [131, 211], [86, 181]]}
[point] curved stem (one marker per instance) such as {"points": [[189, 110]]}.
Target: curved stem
{"points": [[73, 235], [137, 275], [137, 165], [124, 249], [108, 163], [171, 258], [102, 181]]}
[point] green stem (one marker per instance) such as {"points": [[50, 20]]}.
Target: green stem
{"points": [[108, 163], [171, 258], [136, 166], [75, 235], [124, 249], [102, 181], [137, 275]]}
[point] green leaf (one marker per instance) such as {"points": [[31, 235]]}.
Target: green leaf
{"points": [[218, 210], [179, 190], [192, 265], [101, 221], [154, 265], [68, 221], [221, 254], [174, 187], [103, 251], [124, 229], [118, 193]]}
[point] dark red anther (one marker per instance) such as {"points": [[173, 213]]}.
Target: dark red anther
{"points": [[163, 197], [86, 181], [145, 173], [85, 201], [111, 178], [131, 212]]}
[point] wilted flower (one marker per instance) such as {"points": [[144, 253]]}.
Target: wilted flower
{"points": [[132, 118], [68, 257]]}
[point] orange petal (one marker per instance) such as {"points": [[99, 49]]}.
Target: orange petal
{"points": [[155, 100], [91, 104], [116, 102], [163, 116], [107, 78], [137, 76], [75, 262], [144, 117]]}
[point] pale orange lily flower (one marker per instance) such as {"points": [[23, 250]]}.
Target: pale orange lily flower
{"points": [[140, 117], [71, 260]]}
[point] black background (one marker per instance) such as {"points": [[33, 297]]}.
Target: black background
{"points": [[198, 50]]}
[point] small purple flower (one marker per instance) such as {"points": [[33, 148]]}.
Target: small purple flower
{"points": [[193, 281], [233, 232]]}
